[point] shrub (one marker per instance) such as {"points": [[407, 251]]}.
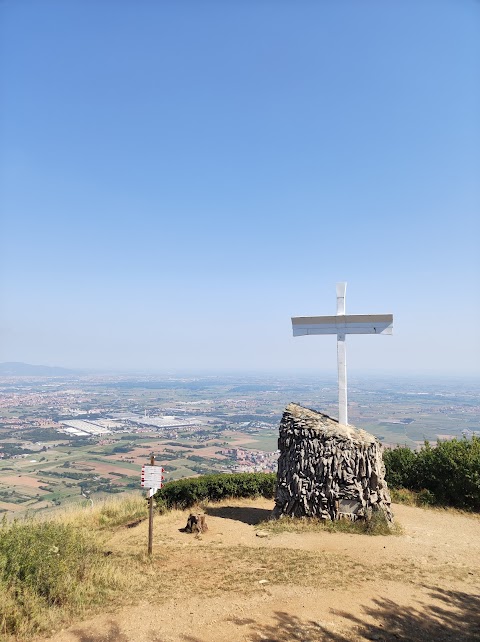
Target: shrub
{"points": [[399, 464], [426, 498], [184, 493], [47, 557], [451, 471], [448, 474]]}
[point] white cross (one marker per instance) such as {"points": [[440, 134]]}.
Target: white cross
{"points": [[343, 324]]}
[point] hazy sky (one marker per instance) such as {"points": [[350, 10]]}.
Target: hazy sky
{"points": [[180, 178]]}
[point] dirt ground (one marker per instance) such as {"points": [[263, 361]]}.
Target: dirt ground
{"points": [[230, 584], [22, 480]]}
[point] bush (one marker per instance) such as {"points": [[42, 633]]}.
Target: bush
{"points": [[185, 493], [399, 464], [45, 568], [448, 474]]}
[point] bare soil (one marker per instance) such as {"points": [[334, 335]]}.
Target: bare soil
{"points": [[230, 584], [22, 480]]}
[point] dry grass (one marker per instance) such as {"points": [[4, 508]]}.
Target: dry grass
{"points": [[376, 525], [208, 571], [50, 571], [110, 513], [417, 499], [55, 568], [119, 572]]}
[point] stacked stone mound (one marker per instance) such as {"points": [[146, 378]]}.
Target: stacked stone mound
{"points": [[328, 470]]}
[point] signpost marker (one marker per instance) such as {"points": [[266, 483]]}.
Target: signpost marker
{"points": [[152, 479], [150, 514], [343, 324]]}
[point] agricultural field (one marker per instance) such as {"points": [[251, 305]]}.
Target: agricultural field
{"points": [[68, 441], [64, 473]]}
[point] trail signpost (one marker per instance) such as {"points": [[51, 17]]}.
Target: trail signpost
{"points": [[341, 325], [152, 478]]}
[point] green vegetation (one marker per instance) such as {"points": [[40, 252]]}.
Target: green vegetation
{"points": [[420, 498], [185, 493], [52, 570], [448, 474], [46, 566], [10, 450], [42, 434]]}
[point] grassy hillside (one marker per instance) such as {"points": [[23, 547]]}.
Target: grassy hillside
{"points": [[54, 569]]}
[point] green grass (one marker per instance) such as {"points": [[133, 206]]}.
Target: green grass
{"points": [[179, 469], [264, 440], [54, 569]]}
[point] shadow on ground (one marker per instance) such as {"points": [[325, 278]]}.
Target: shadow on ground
{"points": [[250, 516], [112, 635], [286, 628], [452, 616]]}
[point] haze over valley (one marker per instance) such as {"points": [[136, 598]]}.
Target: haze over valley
{"points": [[66, 439]]}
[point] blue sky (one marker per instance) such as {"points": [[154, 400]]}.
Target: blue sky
{"points": [[178, 179]]}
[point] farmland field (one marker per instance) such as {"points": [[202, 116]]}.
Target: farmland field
{"points": [[192, 425]]}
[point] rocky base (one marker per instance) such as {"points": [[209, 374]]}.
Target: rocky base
{"points": [[327, 470]]}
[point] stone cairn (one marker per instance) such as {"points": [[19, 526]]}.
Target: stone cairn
{"points": [[328, 470]]}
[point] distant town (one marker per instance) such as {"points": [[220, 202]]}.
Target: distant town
{"points": [[69, 438]]}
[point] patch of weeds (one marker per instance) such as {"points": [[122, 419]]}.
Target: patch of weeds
{"points": [[420, 498], [403, 496], [426, 498], [48, 570], [118, 513], [376, 524], [107, 514]]}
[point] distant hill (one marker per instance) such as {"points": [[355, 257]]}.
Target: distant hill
{"points": [[18, 369]]}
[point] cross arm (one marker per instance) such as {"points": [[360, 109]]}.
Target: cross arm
{"points": [[343, 324]]}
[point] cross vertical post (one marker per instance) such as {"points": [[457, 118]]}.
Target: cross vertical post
{"points": [[342, 358], [341, 325]]}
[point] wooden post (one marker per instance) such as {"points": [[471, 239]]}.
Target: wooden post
{"points": [[150, 514]]}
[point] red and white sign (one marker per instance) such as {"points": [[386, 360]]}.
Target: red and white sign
{"points": [[152, 477]]}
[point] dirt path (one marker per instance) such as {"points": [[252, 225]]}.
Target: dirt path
{"points": [[231, 585]]}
